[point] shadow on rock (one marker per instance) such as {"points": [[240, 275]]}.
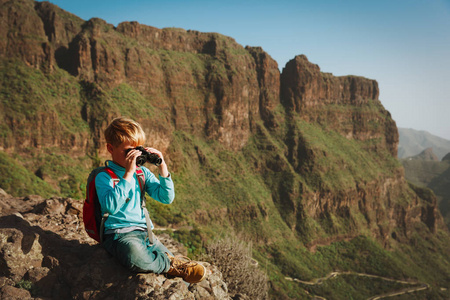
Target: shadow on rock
{"points": [[45, 253]]}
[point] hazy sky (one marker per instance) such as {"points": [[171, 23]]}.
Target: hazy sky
{"points": [[403, 44]]}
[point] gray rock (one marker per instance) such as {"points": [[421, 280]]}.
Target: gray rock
{"points": [[44, 247]]}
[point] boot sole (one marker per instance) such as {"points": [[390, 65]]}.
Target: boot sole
{"points": [[203, 277]]}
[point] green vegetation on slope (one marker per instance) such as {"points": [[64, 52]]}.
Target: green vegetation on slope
{"points": [[19, 181], [258, 193], [434, 175], [222, 193], [441, 187], [30, 95], [341, 162], [359, 255], [421, 172]]}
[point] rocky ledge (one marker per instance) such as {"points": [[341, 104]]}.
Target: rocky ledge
{"points": [[45, 254]]}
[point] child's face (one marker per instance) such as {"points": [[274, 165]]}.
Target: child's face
{"points": [[118, 153]]}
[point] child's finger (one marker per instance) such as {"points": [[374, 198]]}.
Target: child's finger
{"points": [[153, 150]]}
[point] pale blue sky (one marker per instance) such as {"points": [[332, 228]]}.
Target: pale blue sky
{"points": [[403, 44]]}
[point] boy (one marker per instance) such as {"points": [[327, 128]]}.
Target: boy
{"points": [[125, 235]]}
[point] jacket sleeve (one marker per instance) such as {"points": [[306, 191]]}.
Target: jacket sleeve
{"points": [[111, 198], [161, 190]]}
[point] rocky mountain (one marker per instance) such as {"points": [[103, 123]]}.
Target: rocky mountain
{"points": [[426, 171], [440, 185], [413, 142], [301, 163], [425, 155]]}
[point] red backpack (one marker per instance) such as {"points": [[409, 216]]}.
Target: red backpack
{"points": [[92, 214], [94, 221]]}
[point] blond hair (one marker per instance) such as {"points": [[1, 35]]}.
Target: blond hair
{"points": [[124, 130]]}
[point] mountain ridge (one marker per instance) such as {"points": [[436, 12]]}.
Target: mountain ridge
{"points": [[426, 170], [413, 141]]}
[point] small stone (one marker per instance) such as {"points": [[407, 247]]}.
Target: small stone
{"points": [[13, 293]]}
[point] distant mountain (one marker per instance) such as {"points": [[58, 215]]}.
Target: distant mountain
{"points": [[413, 142], [422, 170], [426, 155], [430, 168], [441, 187]]}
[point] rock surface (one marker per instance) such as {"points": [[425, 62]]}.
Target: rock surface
{"points": [[45, 254], [348, 104]]}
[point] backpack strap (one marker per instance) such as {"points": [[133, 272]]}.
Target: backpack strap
{"points": [[141, 178], [105, 216], [113, 175]]}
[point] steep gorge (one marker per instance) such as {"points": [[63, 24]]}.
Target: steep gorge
{"points": [[298, 157]]}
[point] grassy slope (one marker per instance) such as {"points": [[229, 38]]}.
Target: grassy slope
{"points": [[28, 97], [221, 192], [441, 187], [434, 175], [229, 180], [421, 172]]}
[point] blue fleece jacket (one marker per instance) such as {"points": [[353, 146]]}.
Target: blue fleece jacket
{"points": [[123, 201]]}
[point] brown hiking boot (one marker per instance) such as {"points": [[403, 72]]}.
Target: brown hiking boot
{"points": [[190, 271]]}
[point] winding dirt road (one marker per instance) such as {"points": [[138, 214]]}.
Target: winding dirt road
{"points": [[416, 286]]}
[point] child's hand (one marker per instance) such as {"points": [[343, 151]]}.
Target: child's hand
{"points": [[162, 167], [130, 164], [157, 152]]}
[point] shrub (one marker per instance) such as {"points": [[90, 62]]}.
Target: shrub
{"points": [[27, 285], [239, 269]]}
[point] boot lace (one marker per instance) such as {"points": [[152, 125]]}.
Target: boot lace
{"points": [[181, 266]]}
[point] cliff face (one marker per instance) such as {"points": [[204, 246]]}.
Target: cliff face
{"points": [[348, 104], [305, 149], [217, 88], [212, 89], [204, 84]]}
